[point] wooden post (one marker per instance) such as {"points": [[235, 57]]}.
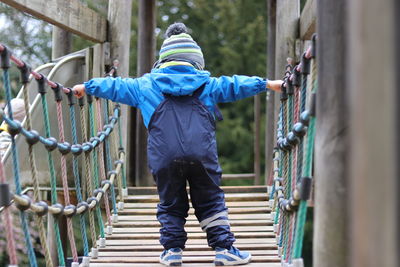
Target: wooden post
{"points": [[331, 141], [119, 17], [61, 43], [146, 49], [374, 207], [270, 96], [257, 128], [287, 30]]}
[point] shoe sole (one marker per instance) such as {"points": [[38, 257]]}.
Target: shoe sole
{"points": [[230, 263], [171, 263]]}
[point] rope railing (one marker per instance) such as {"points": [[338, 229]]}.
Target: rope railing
{"points": [[293, 156], [88, 190]]}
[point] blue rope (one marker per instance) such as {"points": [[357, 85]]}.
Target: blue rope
{"points": [[77, 182], [31, 253], [95, 170], [53, 182], [108, 157]]}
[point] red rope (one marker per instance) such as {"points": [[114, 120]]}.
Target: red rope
{"points": [[101, 156], [294, 170], [11, 249], [22, 64], [65, 182]]}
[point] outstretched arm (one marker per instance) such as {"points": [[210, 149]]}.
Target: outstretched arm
{"points": [[124, 91], [228, 89]]}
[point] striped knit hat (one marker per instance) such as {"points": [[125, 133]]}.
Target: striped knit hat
{"points": [[179, 46]]}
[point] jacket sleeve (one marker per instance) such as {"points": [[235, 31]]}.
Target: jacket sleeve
{"points": [[125, 91], [229, 89]]}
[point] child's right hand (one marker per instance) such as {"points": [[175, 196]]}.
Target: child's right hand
{"points": [[79, 90], [275, 85]]}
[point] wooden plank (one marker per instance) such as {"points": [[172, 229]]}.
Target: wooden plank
{"points": [[143, 242], [188, 247], [183, 265], [192, 223], [189, 259], [308, 20], [238, 176], [228, 204], [191, 229], [68, 15], [185, 253], [193, 218], [132, 211], [228, 197], [152, 190], [149, 236]]}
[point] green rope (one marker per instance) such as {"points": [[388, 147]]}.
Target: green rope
{"points": [[15, 162], [288, 187], [302, 212], [95, 169], [307, 172], [53, 182]]}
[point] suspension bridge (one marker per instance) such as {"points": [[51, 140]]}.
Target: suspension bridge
{"points": [[66, 165]]}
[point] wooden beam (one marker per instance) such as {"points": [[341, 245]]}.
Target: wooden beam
{"points": [[257, 148], [270, 133], [287, 30], [119, 17], [238, 176], [69, 15], [308, 20], [146, 49], [332, 138], [374, 190]]}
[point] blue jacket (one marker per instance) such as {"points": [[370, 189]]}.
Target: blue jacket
{"points": [[146, 92]]}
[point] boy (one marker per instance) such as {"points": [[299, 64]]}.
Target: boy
{"points": [[178, 103]]}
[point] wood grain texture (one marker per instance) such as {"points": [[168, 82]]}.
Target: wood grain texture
{"points": [[135, 238], [70, 15]]}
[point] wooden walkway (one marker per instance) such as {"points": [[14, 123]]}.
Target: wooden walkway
{"points": [[134, 241]]}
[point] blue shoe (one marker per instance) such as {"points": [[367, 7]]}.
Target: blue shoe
{"points": [[171, 257], [231, 256]]}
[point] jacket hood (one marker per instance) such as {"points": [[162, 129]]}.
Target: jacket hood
{"points": [[178, 80]]}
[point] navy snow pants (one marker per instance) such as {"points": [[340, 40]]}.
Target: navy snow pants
{"points": [[182, 148]]}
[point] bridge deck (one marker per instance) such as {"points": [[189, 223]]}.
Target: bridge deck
{"points": [[134, 241]]}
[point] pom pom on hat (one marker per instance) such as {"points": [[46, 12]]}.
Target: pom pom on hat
{"points": [[175, 29], [180, 46]]}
